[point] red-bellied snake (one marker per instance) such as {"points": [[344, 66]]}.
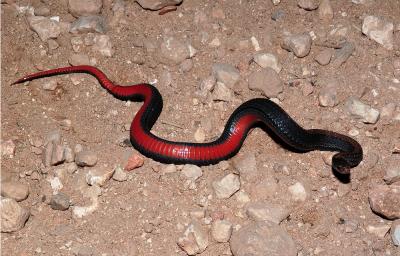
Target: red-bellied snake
{"points": [[252, 113]]}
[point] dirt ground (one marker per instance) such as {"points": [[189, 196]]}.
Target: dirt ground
{"points": [[120, 225]]}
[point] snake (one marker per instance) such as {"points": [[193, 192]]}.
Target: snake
{"points": [[257, 112]]}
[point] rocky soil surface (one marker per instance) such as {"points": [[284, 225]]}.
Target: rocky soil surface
{"points": [[71, 184]]}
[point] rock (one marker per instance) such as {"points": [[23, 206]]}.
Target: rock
{"points": [[86, 158], [46, 28], [265, 211], [299, 44], [42, 10], [308, 5], [84, 8], [324, 57], [186, 65], [325, 10], [267, 60], [103, 45], [361, 110], [13, 216], [341, 55], [79, 59], [174, 50], [69, 155], [14, 190], [155, 5], [200, 135], [278, 15], [395, 232], [392, 173], [98, 177], [57, 156], [267, 82], [226, 74], [222, 93], [227, 186], [50, 85], [134, 161], [379, 230], [119, 174], [194, 240], [82, 250], [60, 202], [246, 166], [170, 168], [385, 201], [221, 231], [379, 30], [88, 24], [53, 136], [262, 238], [263, 188], [328, 95], [191, 172], [298, 192], [8, 148]]}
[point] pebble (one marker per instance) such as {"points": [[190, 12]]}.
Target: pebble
{"points": [[170, 168], [262, 238], [392, 172], [84, 8], [379, 30], [155, 5], [308, 5], [79, 59], [174, 50], [88, 24], [298, 192], [13, 216], [324, 57], [45, 27], [194, 240], [269, 60], [325, 10], [226, 74], [395, 232], [14, 190], [266, 81], [86, 158], [53, 136], [186, 65], [221, 230], [191, 172], [278, 15], [276, 2], [69, 155], [341, 55], [98, 176], [227, 186], [57, 156], [42, 10], [50, 84], [299, 44], [265, 211], [222, 93], [207, 85], [103, 45], [265, 187], [385, 201], [379, 230], [328, 95], [361, 110], [82, 250], [60, 202], [119, 174], [8, 148], [134, 161], [200, 135], [246, 165]]}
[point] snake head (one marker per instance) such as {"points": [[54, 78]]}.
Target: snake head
{"points": [[340, 164]]}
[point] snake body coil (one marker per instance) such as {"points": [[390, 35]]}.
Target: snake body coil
{"points": [[255, 112]]}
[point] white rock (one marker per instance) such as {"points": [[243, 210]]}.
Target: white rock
{"points": [[308, 5], [262, 211], [44, 27], [103, 45], [174, 50], [119, 174], [8, 148], [222, 93], [325, 10], [99, 176], [79, 59], [200, 135], [379, 30], [392, 173], [266, 81], [267, 60], [88, 24], [157, 4], [194, 240], [299, 44], [13, 216], [395, 232], [328, 95], [84, 8], [221, 230], [191, 172], [378, 230], [298, 192], [227, 186], [226, 74], [361, 110]]}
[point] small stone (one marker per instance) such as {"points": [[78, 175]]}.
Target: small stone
{"points": [[276, 2], [299, 44], [198, 214], [46, 28], [82, 250], [262, 238], [174, 50], [69, 155], [298, 192], [86, 158], [60, 202], [361, 110], [103, 45], [88, 24], [57, 156], [194, 240], [186, 65], [395, 232], [50, 85], [392, 173], [328, 95], [308, 5], [15, 190], [385, 201], [98, 177], [79, 59], [170, 168], [378, 230], [221, 231], [52, 44], [307, 88], [226, 74], [200, 135], [53, 136], [84, 8], [278, 15], [267, 82], [324, 57], [134, 161], [343, 189], [155, 5], [42, 10], [191, 172], [379, 30], [13, 216], [207, 85], [227, 186], [265, 211], [246, 165], [222, 93], [325, 10], [8, 148], [215, 42], [119, 174], [341, 55], [267, 60]]}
